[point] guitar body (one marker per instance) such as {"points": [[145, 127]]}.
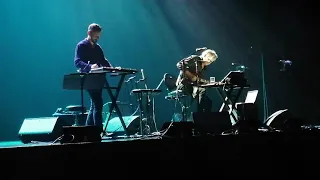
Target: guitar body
{"points": [[190, 77]]}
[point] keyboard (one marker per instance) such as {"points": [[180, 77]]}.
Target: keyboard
{"points": [[113, 70]]}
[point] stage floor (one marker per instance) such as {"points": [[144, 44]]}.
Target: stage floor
{"points": [[16, 144], [257, 154]]}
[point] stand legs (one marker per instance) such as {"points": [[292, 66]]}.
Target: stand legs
{"points": [[147, 118]]}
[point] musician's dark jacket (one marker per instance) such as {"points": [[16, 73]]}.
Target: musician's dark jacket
{"points": [[86, 55], [193, 64]]}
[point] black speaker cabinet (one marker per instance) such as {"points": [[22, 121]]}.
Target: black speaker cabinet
{"points": [[248, 118], [76, 134], [178, 129], [43, 129], [211, 122]]}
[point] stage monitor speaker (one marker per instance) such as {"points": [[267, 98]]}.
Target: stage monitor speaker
{"points": [[178, 129], [76, 134], [132, 124], [43, 129], [284, 120], [211, 122]]}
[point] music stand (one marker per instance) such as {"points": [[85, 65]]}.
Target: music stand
{"points": [[83, 81]]}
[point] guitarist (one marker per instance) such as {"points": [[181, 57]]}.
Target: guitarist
{"points": [[191, 74]]}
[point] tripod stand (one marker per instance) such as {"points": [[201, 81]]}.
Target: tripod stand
{"points": [[147, 106]]}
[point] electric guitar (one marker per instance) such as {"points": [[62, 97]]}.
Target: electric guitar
{"points": [[193, 78]]}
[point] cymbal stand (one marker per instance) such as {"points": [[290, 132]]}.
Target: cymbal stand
{"points": [[149, 108], [144, 112], [131, 103]]}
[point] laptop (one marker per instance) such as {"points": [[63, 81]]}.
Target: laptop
{"points": [[230, 74], [251, 96]]}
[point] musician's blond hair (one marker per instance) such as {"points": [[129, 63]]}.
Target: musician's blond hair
{"points": [[210, 51]]}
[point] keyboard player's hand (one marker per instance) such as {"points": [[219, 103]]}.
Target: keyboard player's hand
{"points": [[94, 66]]}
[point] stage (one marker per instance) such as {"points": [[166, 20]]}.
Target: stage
{"points": [[255, 154]]}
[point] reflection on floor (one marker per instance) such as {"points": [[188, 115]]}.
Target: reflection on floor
{"points": [[14, 144]]}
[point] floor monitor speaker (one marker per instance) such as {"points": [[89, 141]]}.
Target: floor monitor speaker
{"points": [[77, 134], [42, 129], [132, 124]]}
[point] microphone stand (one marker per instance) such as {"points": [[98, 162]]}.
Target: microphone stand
{"points": [[148, 109], [184, 62], [130, 99], [197, 84], [162, 80], [264, 90], [144, 114], [136, 87], [184, 103]]}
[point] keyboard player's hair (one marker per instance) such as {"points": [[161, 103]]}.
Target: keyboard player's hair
{"points": [[209, 51], [94, 27]]}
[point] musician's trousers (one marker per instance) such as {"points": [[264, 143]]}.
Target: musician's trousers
{"points": [[95, 112], [204, 102]]}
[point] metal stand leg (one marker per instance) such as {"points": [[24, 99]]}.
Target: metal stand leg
{"points": [[141, 113], [114, 105], [76, 120], [227, 100], [184, 109], [82, 101]]}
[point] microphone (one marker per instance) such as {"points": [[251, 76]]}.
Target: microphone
{"points": [[286, 62], [130, 78], [142, 75], [201, 49]]}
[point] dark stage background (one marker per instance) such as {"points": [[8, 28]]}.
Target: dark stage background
{"points": [[39, 37]]}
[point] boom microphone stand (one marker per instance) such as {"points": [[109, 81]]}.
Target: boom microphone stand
{"points": [[264, 90], [184, 104]]}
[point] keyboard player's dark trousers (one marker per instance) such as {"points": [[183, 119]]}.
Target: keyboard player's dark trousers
{"points": [[94, 117], [204, 102]]}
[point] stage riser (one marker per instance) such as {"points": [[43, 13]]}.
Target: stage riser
{"points": [[212, 156]]}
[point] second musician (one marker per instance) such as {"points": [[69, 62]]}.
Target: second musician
{"points": [[191, 74]]}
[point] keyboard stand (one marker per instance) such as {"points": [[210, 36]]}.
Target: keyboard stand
{"points": [[114, 105], [230, 100]]}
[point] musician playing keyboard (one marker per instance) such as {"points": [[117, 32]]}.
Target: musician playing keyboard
{"points": [[191, 75], [89, 55]]}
